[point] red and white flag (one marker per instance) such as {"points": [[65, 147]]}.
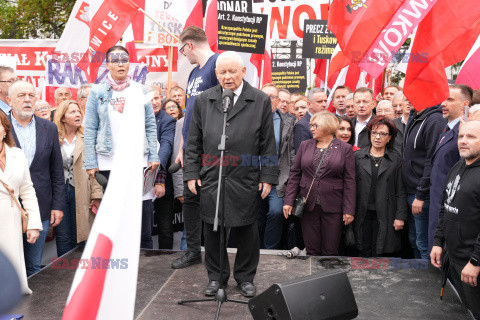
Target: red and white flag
{"points": [[104, 286], [128, 40], [92, 28], [445, 44], [469, 74]]}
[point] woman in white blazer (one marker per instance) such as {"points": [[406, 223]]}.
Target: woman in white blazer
{"points": [[15, 173]]}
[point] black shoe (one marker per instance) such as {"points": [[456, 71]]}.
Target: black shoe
{"points": [[213, 286], [188, 259], [247, 289]]}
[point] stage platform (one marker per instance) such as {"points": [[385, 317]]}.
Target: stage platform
{"points": [[383, 288]]}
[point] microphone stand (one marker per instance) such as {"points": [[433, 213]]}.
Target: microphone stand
{"points": [[221, 295]]}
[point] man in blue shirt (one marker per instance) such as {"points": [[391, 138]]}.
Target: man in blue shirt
{"points": [[38, 138], [7, 77], [194, 46]]}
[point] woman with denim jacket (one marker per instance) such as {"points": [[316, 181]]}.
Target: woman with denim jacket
{"points": [[104, 111]]}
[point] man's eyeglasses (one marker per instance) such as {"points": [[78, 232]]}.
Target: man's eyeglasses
{"points": [[381, 134], [10, 81], [182, 49]]}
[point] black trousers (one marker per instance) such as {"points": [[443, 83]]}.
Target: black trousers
{"points": [[246, 260], [369, 235], [164, 217], [470, 295], [191, 219]]}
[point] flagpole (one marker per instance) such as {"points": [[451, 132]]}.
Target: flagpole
{"points": [[326, 74], [383, 81], [170, 67], [261, 72]]}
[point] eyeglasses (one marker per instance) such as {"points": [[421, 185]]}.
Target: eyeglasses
{"points": [[171, 108], [182, 49], [119, 61], [10, 81], [381, 134], [313, 126], [40, 109]]}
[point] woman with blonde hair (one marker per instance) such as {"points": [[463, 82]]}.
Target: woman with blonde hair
{"points": [[15, 178], [324, 168], [82, 194]]}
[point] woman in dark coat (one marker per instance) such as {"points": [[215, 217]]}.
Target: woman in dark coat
{"points": [[381, 197], [332, 198]]}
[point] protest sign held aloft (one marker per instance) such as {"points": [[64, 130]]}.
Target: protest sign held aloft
{"points": [[318, 41]]}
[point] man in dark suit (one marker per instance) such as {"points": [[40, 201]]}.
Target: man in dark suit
{"points": [[317, 101], [38, 138], [163, 186], [400, 102], [250, 142], [446, 152], [271, 221], [364, 102]]}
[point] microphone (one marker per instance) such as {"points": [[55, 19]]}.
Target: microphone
{"points": [[174, 167], [227, 98], [101, 179]]}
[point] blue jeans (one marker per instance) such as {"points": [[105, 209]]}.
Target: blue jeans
{"points": [[418, 229], [272, 221], [66, 231], [183, 241], [33, 252]]}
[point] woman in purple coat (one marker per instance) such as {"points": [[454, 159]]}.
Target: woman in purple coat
{"points": [[332, 198]]}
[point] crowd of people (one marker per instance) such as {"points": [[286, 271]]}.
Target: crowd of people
{"points": [[369, 166]]}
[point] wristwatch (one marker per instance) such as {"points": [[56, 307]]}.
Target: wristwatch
{"points": [[474, 261]]}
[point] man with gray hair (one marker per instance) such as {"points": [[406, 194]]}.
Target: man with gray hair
{"points": [[317, 101], [62, 94], [7, 77], [82, 95], [38, 138], [350, 106], [403, 106], [250, 139]]}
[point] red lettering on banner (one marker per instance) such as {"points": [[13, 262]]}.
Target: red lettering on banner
{"points": [[297, 29], [275, 18], [27, 58]]}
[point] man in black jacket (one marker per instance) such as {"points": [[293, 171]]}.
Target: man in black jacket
{"points": [[420, 139], [459, 219], [364, 103]]}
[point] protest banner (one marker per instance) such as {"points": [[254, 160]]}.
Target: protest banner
{"points": [[318, 41], [242, 32], [290, 74], [286, 16]]}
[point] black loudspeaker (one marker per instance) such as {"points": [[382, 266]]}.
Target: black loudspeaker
{"points": [[327, 295]]}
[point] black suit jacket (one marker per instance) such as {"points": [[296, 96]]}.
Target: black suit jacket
{"points": [[302, 131], [363, 135], [46, 169]]}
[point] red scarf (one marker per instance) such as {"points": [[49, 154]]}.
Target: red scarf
{"points": [[118, 85]]}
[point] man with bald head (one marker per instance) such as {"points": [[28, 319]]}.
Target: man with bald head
{"points": [[62, 94], [38, 138], [250, 168], [458, 226]]}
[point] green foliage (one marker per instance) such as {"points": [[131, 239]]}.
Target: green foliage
{"points": [[23, 19]]}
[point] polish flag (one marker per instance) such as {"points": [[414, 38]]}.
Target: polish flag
{"points": [[211, 24], [104, 286], [92, 28], [320, 72], [129, 44], [469, 74], [445, 44]]}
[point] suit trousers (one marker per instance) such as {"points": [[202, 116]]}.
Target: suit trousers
{"points": [[191, 219], [246, 260], [470, 295], [164, 217], [322, 232]]}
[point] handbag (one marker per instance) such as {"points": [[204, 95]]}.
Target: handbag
{"points": [[349, 236], [23, 213], [300, 202]]}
